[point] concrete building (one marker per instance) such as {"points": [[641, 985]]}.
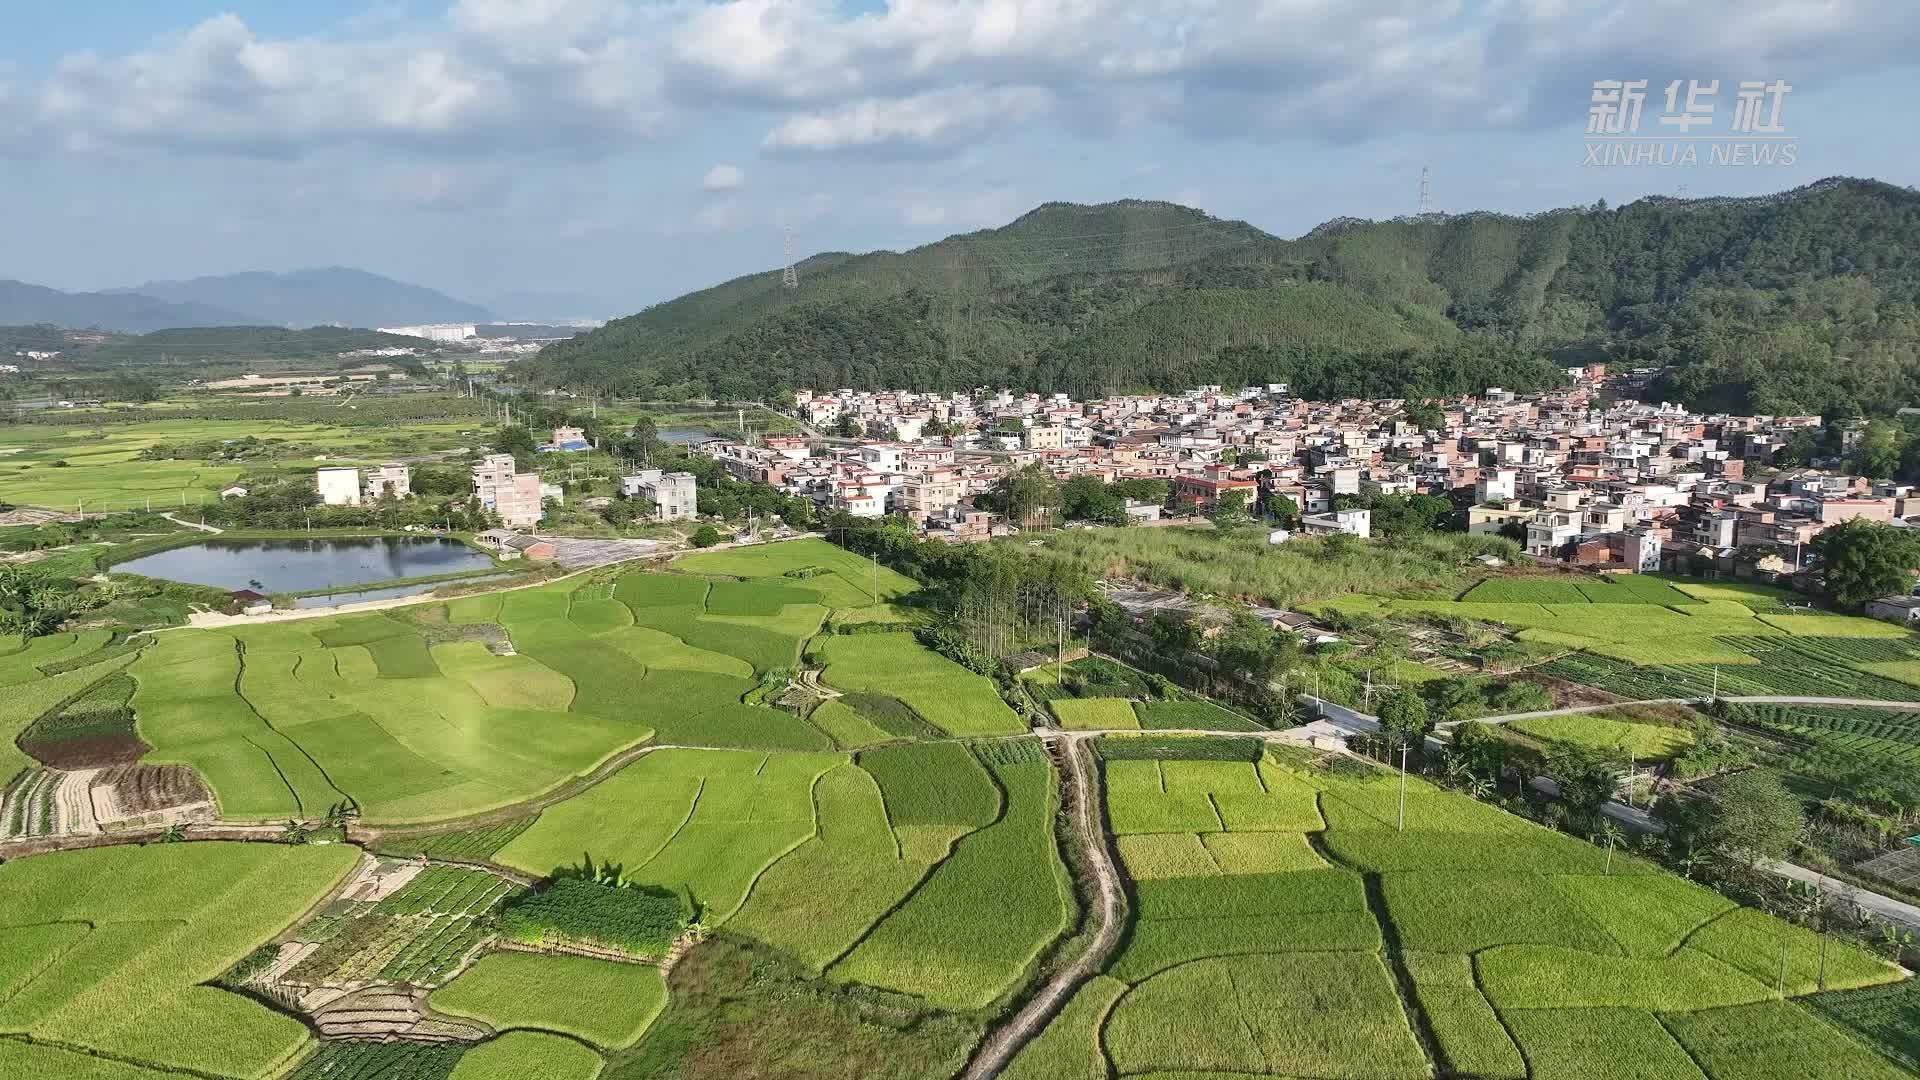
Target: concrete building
{"points": [[1044, 437], [338, 487], [1352, 522], [392, 479], [1904, 610], [514, 496], [568, 440], [675, 496]]}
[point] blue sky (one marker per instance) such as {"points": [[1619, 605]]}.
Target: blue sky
{"points": [[557, 158]]}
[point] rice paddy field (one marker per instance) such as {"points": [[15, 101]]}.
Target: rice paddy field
{"points": [[70, 466], [110, 952], [1647, 637], [919, 869], [1327, 943], [411, 719], [878, 874]]}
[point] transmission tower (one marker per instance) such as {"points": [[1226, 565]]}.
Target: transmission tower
{"points": [[789, 277], [1426, 203]]}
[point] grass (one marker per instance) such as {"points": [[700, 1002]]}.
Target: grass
{"points": [[605, 1003], [933, 784], [1600, 1044], [521, 1054], [968, 934], [1470, 1036], [1192, 715], [703, 823], [848, 729], [1333, 1015], [1753, 941], [1645, 742], [819, 900], [940, 691], [362, 708], [1202, 560], [737, 1009], [1771, 1041], [848, 580], [1451, 911], [1547, 977], [1094, 714], [1201, 797], [164, 920], [1886, 1017], [104, 472]]}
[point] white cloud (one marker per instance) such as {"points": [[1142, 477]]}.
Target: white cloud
{"points": [[508, 75], [937, 117], [723, 178]]}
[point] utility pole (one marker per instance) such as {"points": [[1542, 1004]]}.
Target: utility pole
{"points": [[876, 577], [1060, 653], [1403, 787]]}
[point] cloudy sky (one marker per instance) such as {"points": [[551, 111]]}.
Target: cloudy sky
{"points": [[555, 158]]}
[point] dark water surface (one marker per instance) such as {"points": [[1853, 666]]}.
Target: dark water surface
{"points": [[299, 565]]}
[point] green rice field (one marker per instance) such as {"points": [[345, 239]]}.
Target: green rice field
{"points": [[111, 952], [381, 712], [1284, 897]]}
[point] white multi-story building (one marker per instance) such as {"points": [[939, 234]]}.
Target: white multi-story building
{"points": [[675, 496], [338, 487], [392, 479], [434, 331]]}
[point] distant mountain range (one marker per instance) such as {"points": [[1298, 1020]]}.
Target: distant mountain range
{"points": [[332, 296], [1803, 302]]}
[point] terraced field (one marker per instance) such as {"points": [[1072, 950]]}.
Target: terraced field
{"points": [[1284, 897], [1645, 637], [411, 723], [110, 952]]}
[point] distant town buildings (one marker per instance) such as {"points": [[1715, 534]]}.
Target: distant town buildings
{"points": [[1575, 477], [434, 331], [513, 495], [338, 487], [674, 495]]}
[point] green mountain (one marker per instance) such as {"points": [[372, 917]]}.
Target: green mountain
{"points": [[1799, 302]]}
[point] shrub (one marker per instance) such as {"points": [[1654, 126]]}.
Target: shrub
{"points": [[705, 536], [636, 920]]}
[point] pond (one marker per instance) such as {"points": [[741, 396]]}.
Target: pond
{"points": [[272, 566], [391, 592]]}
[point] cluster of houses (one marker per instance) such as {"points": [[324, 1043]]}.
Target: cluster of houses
{"points": [[1573, 475]]}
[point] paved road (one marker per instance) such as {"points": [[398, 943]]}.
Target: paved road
{"points": [[193, 524], [1884, 907], [1082, 780]]}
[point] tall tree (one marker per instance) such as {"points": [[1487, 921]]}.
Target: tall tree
{"points": [[1862, 560]]}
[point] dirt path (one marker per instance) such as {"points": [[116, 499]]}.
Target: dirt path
{"points": [[1083, 785]]}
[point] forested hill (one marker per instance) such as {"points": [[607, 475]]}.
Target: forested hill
{"points": [[1799, 302]]}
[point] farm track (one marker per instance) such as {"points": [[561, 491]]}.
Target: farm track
{"points": [[1083, 785]]}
